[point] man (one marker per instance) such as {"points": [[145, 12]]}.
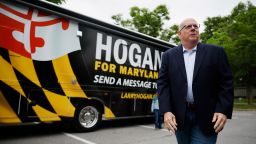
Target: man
{"points": [[195, 87]]}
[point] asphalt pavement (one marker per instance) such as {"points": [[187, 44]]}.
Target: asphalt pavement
{"points": [[240, 130]]}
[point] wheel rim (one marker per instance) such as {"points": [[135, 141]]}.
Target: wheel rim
{"points": [[88, 116]]}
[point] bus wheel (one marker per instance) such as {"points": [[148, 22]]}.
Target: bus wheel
{"points": [[87, 118]]}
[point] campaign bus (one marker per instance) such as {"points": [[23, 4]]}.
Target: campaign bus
{"points": [[57, 65]]}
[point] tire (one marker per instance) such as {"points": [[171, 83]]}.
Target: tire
{"points": [[87, 118]]}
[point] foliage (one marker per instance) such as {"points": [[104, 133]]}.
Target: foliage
{"points": [[148, 22], [170, 34], [212, 25], [56, 1], [237, 34]]}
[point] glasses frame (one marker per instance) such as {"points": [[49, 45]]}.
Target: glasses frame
{"points": [[196, 26]]}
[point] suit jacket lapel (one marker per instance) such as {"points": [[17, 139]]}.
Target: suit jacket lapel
{"points": [[200, 53], [180, 61]]}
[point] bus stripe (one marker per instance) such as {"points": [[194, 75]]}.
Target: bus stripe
{"points": [[45, 115], [8, 76], [18, 103], [47, 77], [60, 103], [18, 85], [28, 79], [79, 68], [67, 78], [25, 66], [7, 114], [4, 53], [34, 93]]}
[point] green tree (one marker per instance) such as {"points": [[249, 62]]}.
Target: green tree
{"points": [[237, 34], [56, 1], [148, 22], [212, 25], [170, 34]]}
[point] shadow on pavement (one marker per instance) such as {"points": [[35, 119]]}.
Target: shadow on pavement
{"points": [[30, 130], [45, 129]]}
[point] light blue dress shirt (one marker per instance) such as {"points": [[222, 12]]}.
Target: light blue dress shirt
{"points": [[189, 59]]}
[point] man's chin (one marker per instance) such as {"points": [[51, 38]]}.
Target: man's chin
{"points": [[194, 40]]}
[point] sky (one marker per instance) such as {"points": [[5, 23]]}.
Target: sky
{"points": [[178, 9]]}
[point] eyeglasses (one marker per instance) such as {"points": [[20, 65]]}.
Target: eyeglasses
{"points": [[188, 27]]}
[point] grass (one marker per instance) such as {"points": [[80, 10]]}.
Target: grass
{"points": [[241, 104], [244, 107]]}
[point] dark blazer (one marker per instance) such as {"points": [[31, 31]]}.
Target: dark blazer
{"points": [[212, 85]]}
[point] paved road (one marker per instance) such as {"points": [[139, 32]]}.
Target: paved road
{"points": [[240, 130]]}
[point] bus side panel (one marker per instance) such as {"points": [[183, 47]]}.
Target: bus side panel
{"points": [[47, 60], [119, 70]]}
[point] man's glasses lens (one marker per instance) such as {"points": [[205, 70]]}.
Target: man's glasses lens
{"points": [[190, 26]]}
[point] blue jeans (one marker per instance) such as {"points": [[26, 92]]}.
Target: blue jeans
{"points": [[192, 134], [158, 119]]}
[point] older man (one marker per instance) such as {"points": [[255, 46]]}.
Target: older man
{"points": [[195, 87]]}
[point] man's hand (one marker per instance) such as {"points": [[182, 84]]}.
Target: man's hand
{"points": [[170, 121], [220, 120]]}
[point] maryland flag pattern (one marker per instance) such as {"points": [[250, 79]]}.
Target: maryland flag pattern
{"points": [[37, 79]]}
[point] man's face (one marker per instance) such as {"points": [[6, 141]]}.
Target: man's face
{"points": [[189, 31]]}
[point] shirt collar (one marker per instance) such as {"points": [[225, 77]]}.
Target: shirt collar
{"points": [[193, 49]]}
